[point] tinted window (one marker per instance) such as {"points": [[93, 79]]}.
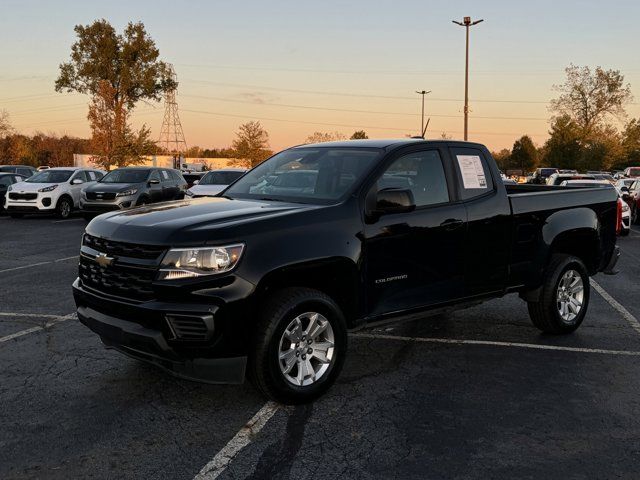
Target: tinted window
{"points": [[420, 172], [474, 175], [51, 176], [81, 175], [220, 178], [165, 176], [5, 180], [7, 168], [126, 175], [24, 171], [155, 175], [308, 175]]}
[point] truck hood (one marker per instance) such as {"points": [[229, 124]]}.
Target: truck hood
{"points": [[186, 222]]}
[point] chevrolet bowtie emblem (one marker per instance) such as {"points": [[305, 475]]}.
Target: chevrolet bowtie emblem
{"points": [[104, 261]]}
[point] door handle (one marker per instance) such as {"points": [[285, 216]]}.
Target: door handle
{"points": [[452, 223]]}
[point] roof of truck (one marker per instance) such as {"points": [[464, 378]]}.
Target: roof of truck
{"points": [[383, 143]]}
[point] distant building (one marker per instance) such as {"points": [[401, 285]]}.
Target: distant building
{"points": [[192, 164]]}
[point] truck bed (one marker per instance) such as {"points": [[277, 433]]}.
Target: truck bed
{"points": [[535, 198]]}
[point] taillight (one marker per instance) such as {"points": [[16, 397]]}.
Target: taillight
{"points": [[619, 217]]}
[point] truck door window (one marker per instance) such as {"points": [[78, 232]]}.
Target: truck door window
{"points": [[472, 170], [422, 173]]}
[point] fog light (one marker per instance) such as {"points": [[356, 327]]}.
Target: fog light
{"points": [[46, 202]]}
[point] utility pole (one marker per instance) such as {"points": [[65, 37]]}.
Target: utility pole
{"points": [[423, 93], [466, 23]]}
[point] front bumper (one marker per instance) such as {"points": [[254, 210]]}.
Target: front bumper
{"points": [[102, 206], [42, 203], [152, 339]]}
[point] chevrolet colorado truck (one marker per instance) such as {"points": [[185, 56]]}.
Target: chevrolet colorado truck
{"points": [[266, 279]]}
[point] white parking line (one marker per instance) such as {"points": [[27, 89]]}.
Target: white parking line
{"points": [[32, 315], [223, 458], [533, 346], [633, 321], [47, 325], [37, 264], [68, 220]]}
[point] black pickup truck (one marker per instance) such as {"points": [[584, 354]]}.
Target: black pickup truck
{"points": [[267, 279]]}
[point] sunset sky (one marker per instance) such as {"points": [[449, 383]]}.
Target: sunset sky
{"points": [[301, 67]]}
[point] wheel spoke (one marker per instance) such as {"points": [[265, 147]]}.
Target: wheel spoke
{"points": [[289, 358], [321, 356], [313, 322], [320, 327], [294, 335]]}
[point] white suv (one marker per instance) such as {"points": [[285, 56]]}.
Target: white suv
{"points": [[52, 190]]}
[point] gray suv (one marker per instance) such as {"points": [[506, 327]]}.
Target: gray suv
{"points": [[132, 186]]}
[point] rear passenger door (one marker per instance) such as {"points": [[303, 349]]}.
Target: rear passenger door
{"points": [[414, 259], [155, 189], [169, 186], [486, 252]]}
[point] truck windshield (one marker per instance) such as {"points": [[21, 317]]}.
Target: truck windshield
{"points": [[126, 176], [307, 175], [51, 176]]}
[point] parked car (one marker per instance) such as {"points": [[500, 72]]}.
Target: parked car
{"points": [[270, 283], [624, 183], [632, 172], [192, 178], [632, 197], [558, 178], [215, 181], [24, 170], [132, 186], [6, 180], [43, 167], [55, 190], [541, 174]]}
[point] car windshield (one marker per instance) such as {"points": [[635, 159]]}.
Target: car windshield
{"points": [[634, 172], [126, 176], [220, 178], [51, 176], [306, 175]]}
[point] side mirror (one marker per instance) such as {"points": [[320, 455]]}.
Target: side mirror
{"points": [[196, 182], [624, 189], [388, 201], [77, 181], [154, 181]]}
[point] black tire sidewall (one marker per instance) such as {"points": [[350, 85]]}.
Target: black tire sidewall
{"points": [[292, 393]]}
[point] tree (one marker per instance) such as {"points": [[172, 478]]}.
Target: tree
{"points": [[502, 158], [630, 143], [117, 71], [322, 137], [589, 98], [359, 135], [564, 146], [524, 155], [252, 143]]}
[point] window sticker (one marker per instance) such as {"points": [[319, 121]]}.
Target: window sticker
{"points": [[472, 171]]}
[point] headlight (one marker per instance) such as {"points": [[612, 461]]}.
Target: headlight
{"points": [[48, 189], [127, 193], [10, 188], [195, 262], [625, 207]]}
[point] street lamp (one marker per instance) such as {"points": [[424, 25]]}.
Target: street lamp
{"points": [[423, 93], [466, 23]]}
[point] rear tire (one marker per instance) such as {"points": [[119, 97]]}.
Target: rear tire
{"points": [[564, 299], [299, 346], [64, 208]]}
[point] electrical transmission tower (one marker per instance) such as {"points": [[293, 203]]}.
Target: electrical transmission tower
{"points": [[171, 134]]}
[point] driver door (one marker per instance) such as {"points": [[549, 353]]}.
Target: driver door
{"points": [[415, 259]]}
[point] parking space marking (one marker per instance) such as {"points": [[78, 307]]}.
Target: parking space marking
{"points": [[68, 220], [244, 437], [32, 315], [633, 321], [38, 264], [533, 346], [47, 325]]}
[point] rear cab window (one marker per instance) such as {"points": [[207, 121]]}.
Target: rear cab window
{"points": [[472, 172]]}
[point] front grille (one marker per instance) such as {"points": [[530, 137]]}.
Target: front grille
{"points": [[121, 249], [101, 195], [23, 196], [118, 280]]}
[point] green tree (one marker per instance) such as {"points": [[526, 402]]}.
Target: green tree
{"points": [[359, 135], [252, 143], [590, 97], [564, 147], [118, 71], [524, 155]]}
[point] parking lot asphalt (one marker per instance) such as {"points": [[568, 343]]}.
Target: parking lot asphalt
{"points": [[475, 394]]}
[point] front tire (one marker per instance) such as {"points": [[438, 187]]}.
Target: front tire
{"points": [[564, 299], [64, 208], [299, 346]]}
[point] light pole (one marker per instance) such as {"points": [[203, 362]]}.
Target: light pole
{"points": [[423, 93], [466, 23]]}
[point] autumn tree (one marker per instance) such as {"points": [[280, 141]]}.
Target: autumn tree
{"points": [[589, 97], [252, 143], [118, 71], [630, 143], [564, 146], [502, 158], [359, 135], [322, 137]]}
